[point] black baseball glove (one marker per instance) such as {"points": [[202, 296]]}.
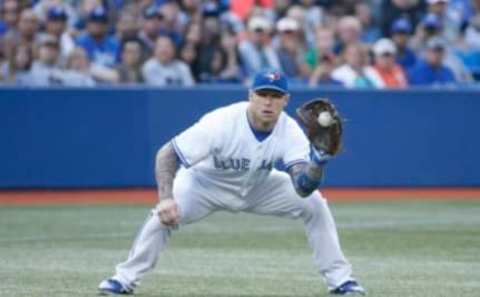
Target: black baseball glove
{"points": [[324, 133]]}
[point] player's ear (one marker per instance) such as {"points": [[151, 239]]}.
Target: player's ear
{"points": [[250, 94], [287, 98]]}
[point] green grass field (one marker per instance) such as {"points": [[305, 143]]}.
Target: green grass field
{"points": [[398, 249]]}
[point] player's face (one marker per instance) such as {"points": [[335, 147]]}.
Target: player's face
{"points": [[265, 107]]}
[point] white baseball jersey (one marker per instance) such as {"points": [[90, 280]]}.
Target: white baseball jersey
{"points": [[222, 149]]}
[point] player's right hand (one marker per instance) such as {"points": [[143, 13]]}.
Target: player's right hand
{"points": [[168, 212]]}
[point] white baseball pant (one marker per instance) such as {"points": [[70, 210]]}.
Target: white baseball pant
{"points": [[276, 196]]}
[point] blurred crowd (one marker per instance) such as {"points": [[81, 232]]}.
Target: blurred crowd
{"points": [[351, 43]]}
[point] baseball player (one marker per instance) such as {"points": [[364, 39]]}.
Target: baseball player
{"points": [[225, 162]]}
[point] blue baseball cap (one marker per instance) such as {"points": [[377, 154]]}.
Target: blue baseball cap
{"points": [[432, 20], [210, 9], [151, 12], [270, 80], [401, 25], [436, 43], [56, 13], [98, 14]]}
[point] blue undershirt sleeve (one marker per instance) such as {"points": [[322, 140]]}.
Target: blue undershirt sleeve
{"points": [[306, 184]]}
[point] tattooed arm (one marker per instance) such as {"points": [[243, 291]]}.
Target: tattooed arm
{"points": [[165, 170], [166, 166]]}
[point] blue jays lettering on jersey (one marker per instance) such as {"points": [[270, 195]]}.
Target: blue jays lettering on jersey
{"points": [[232, 164], [239, 164]]}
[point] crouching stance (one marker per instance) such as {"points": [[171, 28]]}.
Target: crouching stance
{"points": [[226, 163]]}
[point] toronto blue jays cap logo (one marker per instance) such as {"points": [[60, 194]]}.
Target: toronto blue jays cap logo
{"points": [[270, 80], [273, 75]]}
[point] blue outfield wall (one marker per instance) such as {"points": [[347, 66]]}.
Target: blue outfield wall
{"points": [[75, 138]]}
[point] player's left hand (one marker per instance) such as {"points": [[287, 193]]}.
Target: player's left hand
{"points": [[168, 212]]}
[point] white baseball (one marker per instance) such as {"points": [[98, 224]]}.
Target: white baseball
{"points": [[325, 118]]}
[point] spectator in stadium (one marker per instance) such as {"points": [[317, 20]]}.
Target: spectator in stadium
{"points": [[217, 54], [472, 33], [280, 8], [152, 24], [438, 7], [192, 10], [129, 71], [451, 24], [324, 44], [193, 32], [78, 71], [101, 47], [45, 70], [229, 70], [193, 36], [3, 62], [460, 12], [413, 10], [349, 30], [386, 73], [26, 33], [56, 25], [339, 8], [163, 69], [290, 51], [299, 14], [10, 13], [322, 74], [17, 69], [370, 30], [256, 51], [127, 27], [453, 61], [352, 72], [207, 46], [84, 8], [173, 21], [220, 9], [470, 51], [314, 17], [223, 67], [188, 54], [43, 7], [429, 27], [401, 33], [137, 8], [431, 70]]}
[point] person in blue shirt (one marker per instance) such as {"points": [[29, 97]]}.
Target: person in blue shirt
{"points": [[401, 32], [9, 16], [102, 49], [431, 71]]}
